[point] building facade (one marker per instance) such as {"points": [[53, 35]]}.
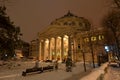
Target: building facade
{"points": [[34, 49], [71, 36]]}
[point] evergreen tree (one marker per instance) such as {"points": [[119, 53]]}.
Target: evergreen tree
{"points": [[8, 34]]}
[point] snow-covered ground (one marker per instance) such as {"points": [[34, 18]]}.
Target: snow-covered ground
{"points": [[113, 73], [105, 72], [14, 72], [95, 73]]}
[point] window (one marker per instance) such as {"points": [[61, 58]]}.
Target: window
{"points": [[93, 38], [86, 39], [100, 37]]}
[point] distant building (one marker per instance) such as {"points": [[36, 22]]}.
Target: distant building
{"points": [[22, 50], [25, 49], [18, 54], [34, 49]]}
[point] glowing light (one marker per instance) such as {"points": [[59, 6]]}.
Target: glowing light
{"points": [[59, 37], [107, 48], [5, 54], [47, 41], [65, 36]]}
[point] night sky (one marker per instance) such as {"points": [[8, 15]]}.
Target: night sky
{"points": [[34, 15]]}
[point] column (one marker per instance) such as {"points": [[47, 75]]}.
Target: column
{"points": [[49, 50], [55, 48], [75, 49], [40, 50], [69, 47], [75, 46], [62, 48], [44, 48]]}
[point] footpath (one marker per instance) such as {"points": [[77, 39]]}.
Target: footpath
{"points": [[97, 73], [15, 73], [104, 72], [113, 73]]}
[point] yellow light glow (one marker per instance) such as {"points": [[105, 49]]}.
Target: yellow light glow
{"points": [[93, 38], [100, 37], [86, 39], [65, 36], [59, 37], [47, 41], [42, 40]]}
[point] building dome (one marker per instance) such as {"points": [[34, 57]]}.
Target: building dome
{"points": [[71, 20]]}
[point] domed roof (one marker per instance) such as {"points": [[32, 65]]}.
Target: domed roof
{"points": [[72, 20]]}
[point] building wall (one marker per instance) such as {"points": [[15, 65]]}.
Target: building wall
{"points": [[71, 36], [77, 45]]}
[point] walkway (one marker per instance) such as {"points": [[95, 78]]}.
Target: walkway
{"points": [[113, 73], [61, 74]]}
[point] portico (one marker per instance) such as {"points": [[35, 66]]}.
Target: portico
{"points": [[61, 38]]}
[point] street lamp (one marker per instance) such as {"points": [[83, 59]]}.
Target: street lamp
{"points": [[107, 49]]}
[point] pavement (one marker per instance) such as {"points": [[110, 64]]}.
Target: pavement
{"points": [[96, 73], [113, 72], [15, 72], [107, 71]]}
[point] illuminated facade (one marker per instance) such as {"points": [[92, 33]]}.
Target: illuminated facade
{"points": [[68, 35]]}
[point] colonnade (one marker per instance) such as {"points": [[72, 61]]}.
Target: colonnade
{"points": [[54, 48]]}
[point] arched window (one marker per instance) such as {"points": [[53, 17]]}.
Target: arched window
{"points": [[100, 37]]}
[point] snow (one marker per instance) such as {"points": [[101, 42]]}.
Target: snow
{"points": [[15, 73], [113, 73], [95, 74]]}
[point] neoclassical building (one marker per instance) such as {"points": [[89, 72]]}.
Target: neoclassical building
{"points": [[69, 35]]}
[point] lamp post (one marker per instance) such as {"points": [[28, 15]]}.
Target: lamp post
{"points": [[107, 51]]}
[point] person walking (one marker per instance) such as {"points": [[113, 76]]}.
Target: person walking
{"points": [[56, 65], [68, 64]]}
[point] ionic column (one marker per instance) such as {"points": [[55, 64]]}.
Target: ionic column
{"points": [[42, 50], [69, 47], [55, 48], [40, 46], [62, 48], [73, 48], [49, 50]]}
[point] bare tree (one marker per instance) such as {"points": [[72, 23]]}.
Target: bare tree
{"points": [[112, 22], [117, 3]]}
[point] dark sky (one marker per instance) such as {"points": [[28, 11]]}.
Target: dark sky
{"points": [[34, 15]]}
